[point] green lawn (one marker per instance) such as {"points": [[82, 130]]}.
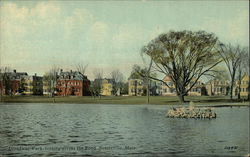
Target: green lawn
{"points": [[157, 100]]}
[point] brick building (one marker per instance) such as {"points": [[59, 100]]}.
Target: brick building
{"points": [[11, 83], [72, 83]]}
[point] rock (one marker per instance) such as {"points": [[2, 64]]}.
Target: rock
{"points": [[191, 112]]}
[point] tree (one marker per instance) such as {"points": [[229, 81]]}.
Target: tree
{"points": [[51, 79], [242, 68], [139, 72], [117, 78], [144, 74], [232, 57], [183, 56], [96, 88], [5, 81], [124, 88], [218, 73], [81, 68]]}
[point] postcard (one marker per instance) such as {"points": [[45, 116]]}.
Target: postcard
{"points": [[124, 78]]}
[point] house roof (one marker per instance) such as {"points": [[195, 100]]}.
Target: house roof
{"points": [[167, 78], [72, 75], [15, 75]]}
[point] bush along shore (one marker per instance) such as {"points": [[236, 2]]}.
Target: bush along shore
{"points": [[191, 112]]}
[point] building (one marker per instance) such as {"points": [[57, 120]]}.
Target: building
{"points": [[135, 87], [72, 83], [198, 89], [46, 85], [169, 89], [107, 87], [244, 86], [217, 87], [33, 85], [155, 88], [11, 82]]}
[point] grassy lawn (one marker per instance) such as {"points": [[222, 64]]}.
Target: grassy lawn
{"points": [[157, 100]]}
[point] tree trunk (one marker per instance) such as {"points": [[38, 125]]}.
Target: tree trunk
{"points": [[248, 97], [248, 88], [135, 88], [239, 85], [231, 92], [181, 98], [148, 87], [232, 86]]}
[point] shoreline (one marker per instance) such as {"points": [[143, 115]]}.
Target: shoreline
{"points": [[202, 101]]}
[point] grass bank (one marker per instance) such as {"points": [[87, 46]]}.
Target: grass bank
{"points": [[156, 100]]}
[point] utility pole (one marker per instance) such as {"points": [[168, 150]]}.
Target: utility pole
{"points": [[148, 80]]}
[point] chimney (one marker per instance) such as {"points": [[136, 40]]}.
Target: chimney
{"points": [[70, 71], [35, 74], [61, 70], [14, 70]]}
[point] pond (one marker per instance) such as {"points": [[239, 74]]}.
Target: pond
{"points": [[119, 130]]}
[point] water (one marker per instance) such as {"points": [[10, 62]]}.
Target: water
{"points": [[119, 130]]}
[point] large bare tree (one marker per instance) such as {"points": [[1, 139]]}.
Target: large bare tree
{"points": [[118, 79], [184, 56], [232, 57], [5, 80], [51, 79], [96, 86], [243, 68]]}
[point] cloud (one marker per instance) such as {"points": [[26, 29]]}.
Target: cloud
{"points": [[78, 22], [52, 31], [98, 32], [17, 21], [46, 10], [234, 29], [127, 36], [239, 28]]}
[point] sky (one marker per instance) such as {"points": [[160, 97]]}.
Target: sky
{"points": [[34, 36]]}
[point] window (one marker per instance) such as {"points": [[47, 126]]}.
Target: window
{"points": [[170, 83]]}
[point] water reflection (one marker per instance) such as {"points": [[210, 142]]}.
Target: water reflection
{"points": [[130, 130]]}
